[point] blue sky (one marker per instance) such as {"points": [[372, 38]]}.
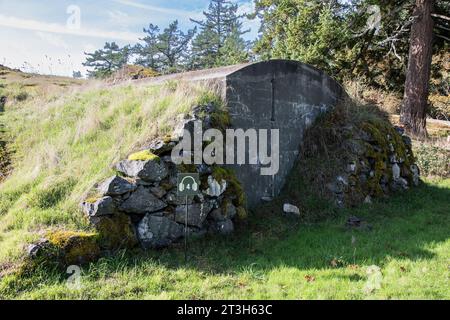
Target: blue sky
{"points": [[46, 36]]}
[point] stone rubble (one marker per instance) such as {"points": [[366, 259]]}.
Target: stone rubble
{"points": [[146, 192]]}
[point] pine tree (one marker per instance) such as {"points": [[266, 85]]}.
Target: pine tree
{"points": [[221, 27], [173, 46], [234, 50], [147, 53], [107, 60]]}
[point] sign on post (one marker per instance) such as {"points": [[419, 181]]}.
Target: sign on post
{"points": [[188, 184]]}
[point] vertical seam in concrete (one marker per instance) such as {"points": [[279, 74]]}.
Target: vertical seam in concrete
{"points": [[273, 98]]}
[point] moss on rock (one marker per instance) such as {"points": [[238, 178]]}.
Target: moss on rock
{"points": [[234, 189], [351, 153], [116, 232], [72, 247], [144, 155]]}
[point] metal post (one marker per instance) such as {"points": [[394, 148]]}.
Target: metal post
{"points": [[186, 232]]}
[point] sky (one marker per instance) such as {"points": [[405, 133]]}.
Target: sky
{"points": [[51, 36]]}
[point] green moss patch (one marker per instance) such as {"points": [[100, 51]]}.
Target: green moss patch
{"points": [[72, 247], [116, 232], [144, 155], [234, 190]]}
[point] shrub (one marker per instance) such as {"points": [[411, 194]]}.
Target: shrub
{"points": [[432, 160]]}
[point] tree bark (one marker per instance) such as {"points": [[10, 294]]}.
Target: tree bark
{"points": [[415, 102]]}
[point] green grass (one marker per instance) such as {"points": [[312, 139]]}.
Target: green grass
{"points": [[277, 257], [62, 145]]}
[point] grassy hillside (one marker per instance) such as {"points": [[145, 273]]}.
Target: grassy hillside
{"points": [[276, 257], [62, 139], [62, 144]]}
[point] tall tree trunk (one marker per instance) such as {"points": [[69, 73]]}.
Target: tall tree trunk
{"points": [[414, 109]]}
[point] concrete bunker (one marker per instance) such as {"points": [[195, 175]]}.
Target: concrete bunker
{"points": [[276, 94]]}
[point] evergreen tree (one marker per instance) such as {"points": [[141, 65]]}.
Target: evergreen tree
{"points": [[222, 27], [234, 50], [172, 47], [77, 75], [148, 54], [107, 60], [312, 31]]}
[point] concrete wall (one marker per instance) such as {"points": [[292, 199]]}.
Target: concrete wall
{"points": [[277, 94]]}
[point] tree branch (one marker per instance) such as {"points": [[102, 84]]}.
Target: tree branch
{"points": [[440, 16], [442, 27], [443, 37]]}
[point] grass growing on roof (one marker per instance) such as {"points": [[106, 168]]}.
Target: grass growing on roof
{"points": [[64, 145]]}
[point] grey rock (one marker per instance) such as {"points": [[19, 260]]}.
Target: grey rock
{"points": [[354, 146], [351, 167], [142, 201], [395, 171], [230, 211], [215, 189], [116, 186], [196, 233], [343, 180], [140, 182], [385, 188], [362, 179], [225, 227], [403, 183], [335, 187], [393, 159], [173, 199], [407, 140], [158, 232], [217, 215], [290, 208], [339, 185], [221, 214], [204, 169], [399, 184], [368, 200], [159, 147], [158, 192], [36, 250], [197, 213], [151, 170], [353, 221], [415, 174], [101, 207]]}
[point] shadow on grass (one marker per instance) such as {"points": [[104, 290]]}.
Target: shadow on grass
{"points": [[403, 226]]}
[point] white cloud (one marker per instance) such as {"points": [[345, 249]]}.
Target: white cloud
{"points": [[120, 18], [53, 39], [19, 23]]}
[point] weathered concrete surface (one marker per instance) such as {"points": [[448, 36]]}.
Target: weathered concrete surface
{"points": [[277, 94]]}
